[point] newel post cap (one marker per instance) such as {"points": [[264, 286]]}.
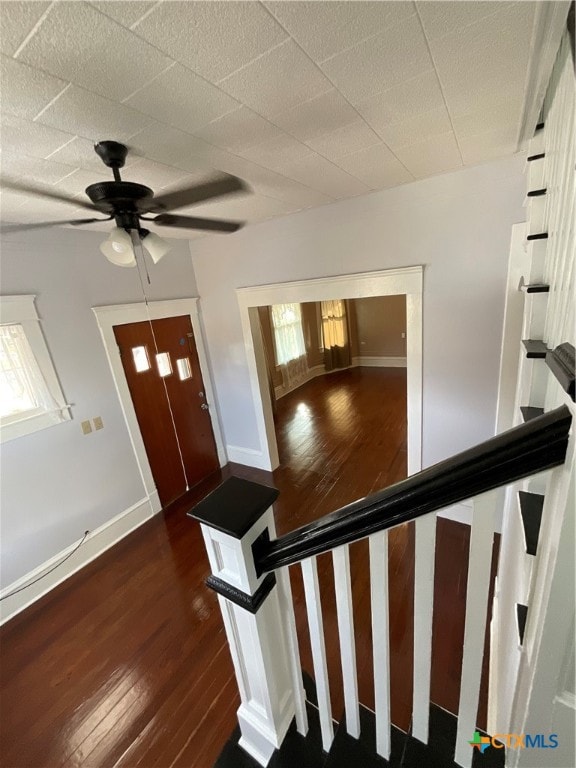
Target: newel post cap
{"points": [[235, 506]]}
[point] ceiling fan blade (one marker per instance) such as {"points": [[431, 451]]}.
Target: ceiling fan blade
{"points": [[180, 198], [51, 194], [192, 222], [42, 224]]}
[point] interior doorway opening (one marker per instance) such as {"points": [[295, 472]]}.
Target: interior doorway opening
{"points": [[336, 374], [406, 282]]}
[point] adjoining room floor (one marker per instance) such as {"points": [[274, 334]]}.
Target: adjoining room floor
{"points": [[126, 663]]}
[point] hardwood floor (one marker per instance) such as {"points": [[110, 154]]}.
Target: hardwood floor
{"points": [[126, 663]]}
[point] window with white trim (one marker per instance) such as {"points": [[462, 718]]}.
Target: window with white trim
{"points": [[30, 395]]}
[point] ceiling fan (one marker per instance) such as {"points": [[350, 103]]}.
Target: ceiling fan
{"points": [[128, 203]]}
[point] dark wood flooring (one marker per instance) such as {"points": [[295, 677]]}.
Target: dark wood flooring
{"points": [[126, 663]]}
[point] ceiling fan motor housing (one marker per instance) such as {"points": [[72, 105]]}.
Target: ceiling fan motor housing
{"points": [[119, 198], [112, 153]]}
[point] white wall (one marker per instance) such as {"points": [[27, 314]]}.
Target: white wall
{"points": [[456, 225], [58, 483]]}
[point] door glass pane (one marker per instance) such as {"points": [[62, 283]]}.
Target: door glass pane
{"points": [[141, 362], [164, 364], [184, 370]]}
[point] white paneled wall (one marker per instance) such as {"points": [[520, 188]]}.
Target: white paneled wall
{"points": [[560, 158], [526, 677]]}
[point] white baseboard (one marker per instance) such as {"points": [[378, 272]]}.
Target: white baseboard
{"points": [[316, 370], [97, 542], [373, 361], [320, 370], [248, 456]]}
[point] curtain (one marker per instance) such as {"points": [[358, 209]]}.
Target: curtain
{"points": [[289, 343], [335, 334], [265, 322], [22, 385]]}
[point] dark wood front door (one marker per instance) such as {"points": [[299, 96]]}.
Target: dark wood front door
{"points": [[160, 361]]}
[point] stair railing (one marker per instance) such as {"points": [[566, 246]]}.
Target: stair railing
{"points": [[249, 573]]}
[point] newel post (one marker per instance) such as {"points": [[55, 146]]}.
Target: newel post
{"points": [[231, 518]]}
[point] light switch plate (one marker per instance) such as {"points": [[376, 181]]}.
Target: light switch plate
{"points": [[98, 423], [86, 427]]}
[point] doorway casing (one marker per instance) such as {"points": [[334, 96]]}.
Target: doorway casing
{"points": [[388, 282], [120, 314]]}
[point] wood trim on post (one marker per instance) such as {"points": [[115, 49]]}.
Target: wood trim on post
{"points": [[232, 518], [249, 602]]}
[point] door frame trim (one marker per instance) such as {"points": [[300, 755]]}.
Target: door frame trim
{"points": [[122, 314], [389, 282]]}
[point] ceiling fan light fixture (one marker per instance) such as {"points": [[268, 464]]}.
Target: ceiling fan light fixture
{"points": [[156, 247], [118, 248]]}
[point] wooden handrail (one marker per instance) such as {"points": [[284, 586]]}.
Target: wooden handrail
{"points": [[538, 445]]}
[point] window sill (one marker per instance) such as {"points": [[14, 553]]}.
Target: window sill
{"points": [[35, 423]]}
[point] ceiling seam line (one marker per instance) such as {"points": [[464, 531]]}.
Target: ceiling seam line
{"points": [[279, 173], [249, 63], [133, 26], [317, 66], [214, 85], [238, 157], [369, 37], [498, 9], [33, 31], [47, 157], [233, 154], [51, 102], [147, 83], [441, 86], [174, 61]]}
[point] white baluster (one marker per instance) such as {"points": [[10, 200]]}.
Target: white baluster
{"points": [[316, 626], [343, 588], [380, 640], [477, 590], [287, 606], [424, 552]]}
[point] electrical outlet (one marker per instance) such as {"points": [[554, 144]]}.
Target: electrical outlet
{"points": [[86, 427], [98, 423]]}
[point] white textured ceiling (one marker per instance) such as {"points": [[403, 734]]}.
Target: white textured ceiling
{"points": [[308, 102]]}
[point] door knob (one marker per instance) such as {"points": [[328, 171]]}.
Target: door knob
{"points": [[204, 406]]}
